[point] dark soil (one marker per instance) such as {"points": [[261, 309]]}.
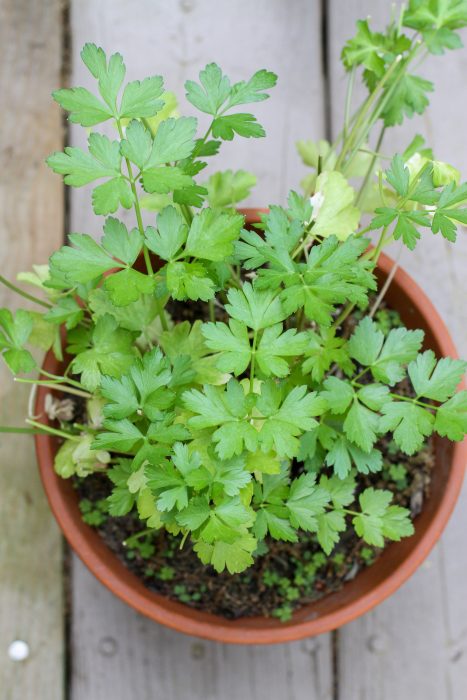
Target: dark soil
{"points": [[285, 575]]}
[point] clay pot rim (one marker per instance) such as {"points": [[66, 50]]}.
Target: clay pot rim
{"points": [[113, 574]]}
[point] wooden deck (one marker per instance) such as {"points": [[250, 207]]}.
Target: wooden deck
{"points": [[84, 643]]}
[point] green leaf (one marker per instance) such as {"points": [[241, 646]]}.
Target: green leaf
{"points": [[338, 394], [143, 391], [213, 91], [365, 49], [286, 418], [119, 243], [165, 179], [306, 501], [231, 342], [119, 436], [252, 90], [400, 347], [137, 144], [436, 380], [343, 453], [227, 188], [409, 98], [80, 167], [67, 311], [189, 281], [174, 140], [186, 340], [323, 351], [121, 501], [447, 211], [330, 525], [336, 215], [361, 426], [398, 175], [226, 407], [234, 556], [366, 342], [242, 124], [378, 519], [109, 75], [84, 107], [141, 98], [108, 350], [276, 345], [410, 423], [212, 234], [451, 417], [171, 234], [108, 197], [14, 333], [256, 309], [83, 262], [128, 286]]}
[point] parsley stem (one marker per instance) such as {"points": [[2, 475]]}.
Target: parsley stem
{"points": [[359, 122], [369, 172], [19, 291], [15, 429], [139, 219], [53, 431], [348, 102], [253, 361], [56, 377], [54, 385]]}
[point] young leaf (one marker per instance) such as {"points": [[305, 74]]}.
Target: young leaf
{"points": [[213, 91], [174, 140], [80, 167], [189, 281], [212, 234], [244, 125], [256, 309], [84, 107], [451, 417], [140, 99], [410, 423], [435, 380], [227, 188], [171, 234], [14, 333], [109, 75], [378, 519]]}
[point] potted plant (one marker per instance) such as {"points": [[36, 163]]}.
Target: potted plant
{"points": [[241, 423]]}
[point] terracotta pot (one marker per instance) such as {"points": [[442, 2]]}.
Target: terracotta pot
{"points": [[369, 588]]}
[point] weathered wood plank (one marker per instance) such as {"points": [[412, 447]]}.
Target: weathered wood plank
{"points": [[31, 226], [116, 653], [119, 654], [177, 39], [414, 645]]}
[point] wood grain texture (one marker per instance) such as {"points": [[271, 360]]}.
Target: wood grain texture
{"points": [[415, 644], [116, 653], [177, 39], [31, 226]]}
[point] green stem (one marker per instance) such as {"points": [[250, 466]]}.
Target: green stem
{"points": [[139, 219], [370, 167], [253, 361], [53, 431], [359, 122], [57, 378], [14, 429], [212, 313], [56, 385], [19, 291]]}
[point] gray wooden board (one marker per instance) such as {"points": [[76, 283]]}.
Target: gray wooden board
{"points": [[415, 644], [118, 654], [31, 226], [115, 652], [177, 39]]}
